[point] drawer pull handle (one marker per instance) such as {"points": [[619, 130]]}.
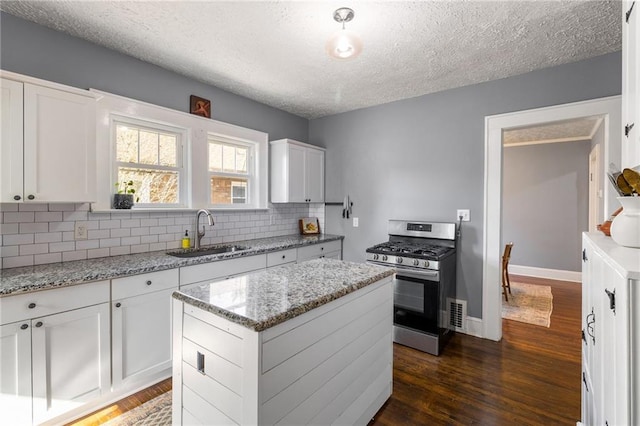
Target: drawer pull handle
{"points": [[24, 326], [32, 305], [283, 256], [118, 304], [148, 282], [39, 324], [200, 362]]}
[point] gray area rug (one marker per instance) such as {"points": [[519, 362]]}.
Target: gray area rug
{"points": [[156, 412], [529, 303]]}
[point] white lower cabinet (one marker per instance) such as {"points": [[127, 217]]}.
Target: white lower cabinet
{"points": [[611, 333], [141, 336], [15, 373], [71, 360], [330, 249]]}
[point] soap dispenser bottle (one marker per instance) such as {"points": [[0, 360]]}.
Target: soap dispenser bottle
{"points": [[186, 242]]}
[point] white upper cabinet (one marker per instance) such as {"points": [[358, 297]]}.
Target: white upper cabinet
{"points": [[297, 172], [630, 83], [48, 144]]}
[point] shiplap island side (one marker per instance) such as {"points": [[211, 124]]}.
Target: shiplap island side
{"points": [[302, 343]]}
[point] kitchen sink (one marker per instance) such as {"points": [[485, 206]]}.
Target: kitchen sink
{"points": [[204, 251]]}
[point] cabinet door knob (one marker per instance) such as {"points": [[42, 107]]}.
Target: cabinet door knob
{"points": [[17, 197], [148, 282], [31, 197], [118, 304], [283, 256], [39, 324], [24, 326], [32, 305], [321, 248]]}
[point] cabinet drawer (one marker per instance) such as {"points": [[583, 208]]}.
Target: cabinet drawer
{"points": [[281, 257], [144, 283], [47, 302], [317, 250], [221, 269]]}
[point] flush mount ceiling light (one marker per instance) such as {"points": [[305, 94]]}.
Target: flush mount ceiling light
{"points": [[344, 44]]}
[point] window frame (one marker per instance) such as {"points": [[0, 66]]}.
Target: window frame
{"points": [[251, 194], [181, 157]]}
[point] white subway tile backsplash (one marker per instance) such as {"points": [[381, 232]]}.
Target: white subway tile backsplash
{"points": [[35, 207], [17, 239], [26, 249], [18, 217], [48, 217], [69, 256], [41, 259], [94, 253], [26, 228], [48, 237], [41, 233], [87, 244], [17, 261]]}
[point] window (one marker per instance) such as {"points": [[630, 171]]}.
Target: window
{"points": [[231, 166], [150, 155]]}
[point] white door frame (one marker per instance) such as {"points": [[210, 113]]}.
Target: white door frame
{"points": [[609, 108], [594, 188]]}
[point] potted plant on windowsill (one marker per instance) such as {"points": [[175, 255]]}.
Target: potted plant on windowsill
{"points": [[123, 198]]}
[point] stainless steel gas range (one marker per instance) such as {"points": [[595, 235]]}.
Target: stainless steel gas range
{"points": [[424, 256]]}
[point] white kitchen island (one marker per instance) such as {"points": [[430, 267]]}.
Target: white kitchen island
{"points": [[299, 344]]}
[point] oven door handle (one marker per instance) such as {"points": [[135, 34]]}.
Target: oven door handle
{"points": [[422, 275]]}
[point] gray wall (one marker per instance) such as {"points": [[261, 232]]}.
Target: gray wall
{"points": [[37, 51], [423, 158], [545, 203]]}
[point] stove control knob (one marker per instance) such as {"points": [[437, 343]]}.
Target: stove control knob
{"points": [[416, 262], [426, 263], [384, 257], [375, 257], [398, 260]]}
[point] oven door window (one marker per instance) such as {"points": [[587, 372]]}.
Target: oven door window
{"points": [[416, 303]]}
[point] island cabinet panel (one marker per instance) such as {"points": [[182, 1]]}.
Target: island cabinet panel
{"points": [[222, 269], [332, 364]]}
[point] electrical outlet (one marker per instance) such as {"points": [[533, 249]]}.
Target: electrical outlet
{"points": [[355, 222], [80, 231], [464, 213]]}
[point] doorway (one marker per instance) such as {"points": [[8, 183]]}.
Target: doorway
{"points": [[607, 108]]}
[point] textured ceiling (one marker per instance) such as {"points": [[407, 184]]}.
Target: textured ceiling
{"points": [[273, 52], [581, 129]]}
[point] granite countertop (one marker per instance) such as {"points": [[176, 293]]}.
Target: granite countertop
{"points": [[264, 299], [43, 277]]}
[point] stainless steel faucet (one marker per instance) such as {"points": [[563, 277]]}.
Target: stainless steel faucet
{"points": [[199, 234]]}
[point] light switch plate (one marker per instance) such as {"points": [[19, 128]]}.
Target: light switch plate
{"points": [[355, 222]]}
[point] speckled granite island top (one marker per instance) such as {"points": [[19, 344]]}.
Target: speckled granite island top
{"points": [[264, 299], [43, 277]]}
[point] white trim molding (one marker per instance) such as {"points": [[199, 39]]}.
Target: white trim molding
{"points": [[551, 274], [609, 109]]}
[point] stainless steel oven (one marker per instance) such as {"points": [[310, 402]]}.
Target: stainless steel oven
{"points": [[424, 256]]}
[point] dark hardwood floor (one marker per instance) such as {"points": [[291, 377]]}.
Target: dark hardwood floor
{"points": [[530, 377]]}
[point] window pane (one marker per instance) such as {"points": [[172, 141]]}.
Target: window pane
{"points": [[226, 190], [126, 144], [241, 160], [168, 151], [228, 158], [148, 147], [152, 186], [215, 157]]}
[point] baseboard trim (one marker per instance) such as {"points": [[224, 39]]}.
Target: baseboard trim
{"points": [[552, 274], [473, 327]]}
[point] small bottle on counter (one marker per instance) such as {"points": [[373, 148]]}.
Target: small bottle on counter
{"points": [[186, 242]]}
